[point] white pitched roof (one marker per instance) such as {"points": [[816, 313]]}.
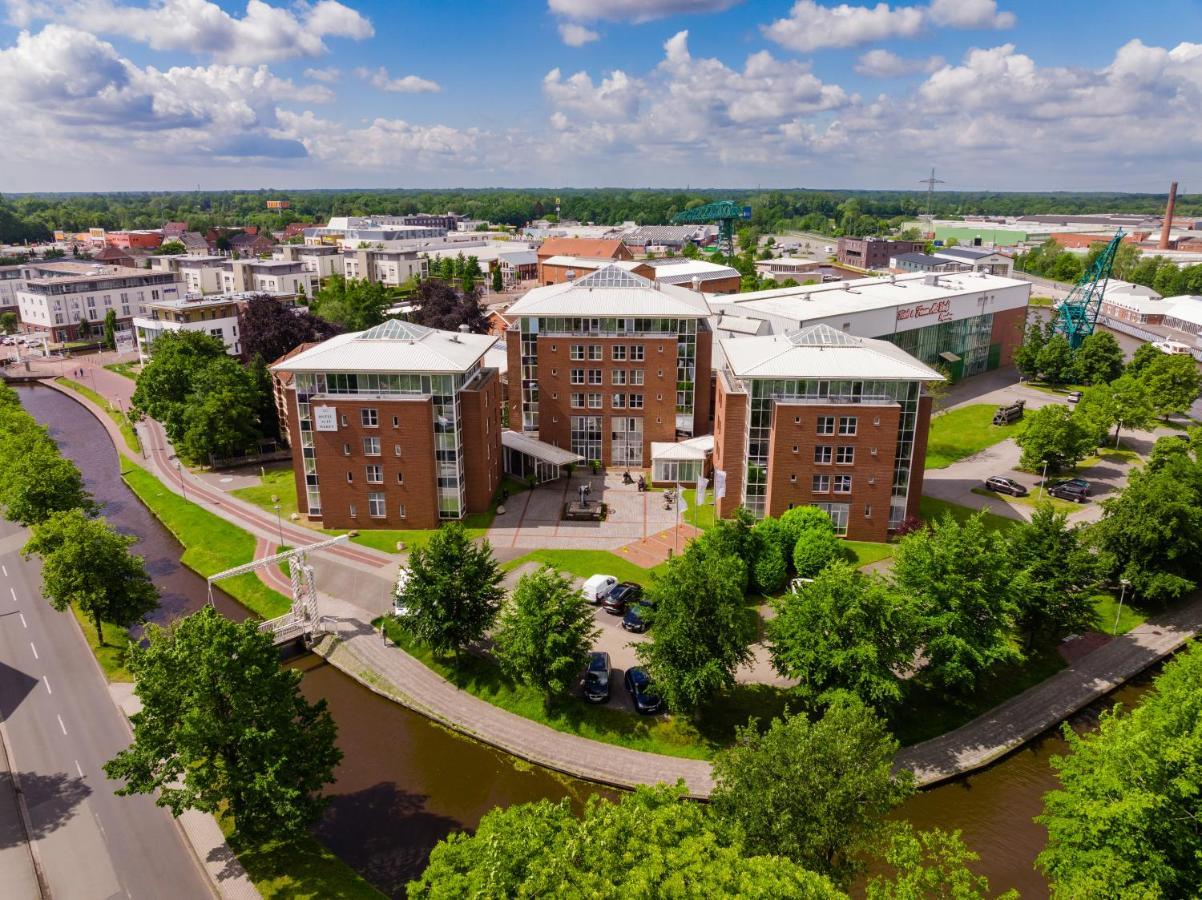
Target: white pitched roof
{"points": [[611, 291], [683, 272], [822, 352], [393, 346], [524, 443]]}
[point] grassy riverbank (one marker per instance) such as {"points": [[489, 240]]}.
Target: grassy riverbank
{"points": [[112, 654], [127, 429], [211, 544]]}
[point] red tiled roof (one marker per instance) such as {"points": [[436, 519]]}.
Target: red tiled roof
{"points": [[597, 248]]}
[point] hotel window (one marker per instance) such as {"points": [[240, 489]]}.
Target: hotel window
{"points": [[343, 418], [396, 449], [839, 513], [594, 401], [619, 401], [375, 505], [636, 376], [374, 474], [369, 417], [619, 352], [401, 510], [576, 351], [842, 484], [400, 477], [822, 454], [350, 477], [637, 353], [847, 424], [821, 484], [354, 510], [596, 376], [845, 456], [826, 425], [867, 511], [596, 351], [636, 401], [577, 376], [578, 401], [371, 446], [396, 421], [346, 449], [617, 376]]}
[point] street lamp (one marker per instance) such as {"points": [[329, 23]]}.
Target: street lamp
{"points": [[1043, 480], [280, 522], [179, 470], [1122, 595]]}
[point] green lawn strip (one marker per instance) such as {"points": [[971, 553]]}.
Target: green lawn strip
{"points": [[926, 712], [699, 517], [1120, 456], [127, 430], [1031, 500], [211, 543], [1040, 301], [276, 482], [125, 369], [583, 563], [959, 433], [482, 678], [1057, 390], [301, 870], [111, 655], [930, 509], [867, 552], [1107, 608]]}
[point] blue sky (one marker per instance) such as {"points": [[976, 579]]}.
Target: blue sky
{"points": [[996, 94]]}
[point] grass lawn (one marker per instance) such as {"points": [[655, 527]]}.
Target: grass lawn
{"points": [[930, 509], [961, 432], [300, 870], [1107, 608], [1040, 301], [127, 429], [126, 369], [926, 712], [583, 563], [1120, 456], [482, 678], [279, 482], [1032, 500], [111, 656], [1057, 390], [211, 543], [703, 517], [866, 552]]}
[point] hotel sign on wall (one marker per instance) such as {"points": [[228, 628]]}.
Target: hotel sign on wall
{"points": [[325, 418], [940, 311]]}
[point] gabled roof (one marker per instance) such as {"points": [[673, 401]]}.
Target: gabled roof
{"points": [[822, 352], [596, 247], [611, 291], [393, 346]]}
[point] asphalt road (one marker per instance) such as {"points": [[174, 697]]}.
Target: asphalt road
{"points": [[61, 726]]}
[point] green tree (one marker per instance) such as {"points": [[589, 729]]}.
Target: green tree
{"points": [[356, 304], [816, 549], [1126, 401], [929, 864], [690, 251], [110, 330], [165, 382], [960, 576], [814, 792], [1056, 362], [498, 283], [701, 632], [843, 632], [544, 634], [1026, 356], [1144, 356], [650, 843], [1173, 381], [794, 522], [40, 483], [87, 563], [9, 323], [1054, 437], [224, 726], [454, 591], [470, 274], [168, 248], [1055, 577], [1099, 358], [221, 417], [1125, 821]]}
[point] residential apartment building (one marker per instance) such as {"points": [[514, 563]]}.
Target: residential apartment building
{"points": [[324, 260], [822, 418], [269, 276], [609, 363], [56, 297], [390, 267], [201, 274], [12, 279], [873, 252], [215, 314], [398, 426]]}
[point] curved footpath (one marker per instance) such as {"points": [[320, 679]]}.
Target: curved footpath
{"points": [[357, 649]]}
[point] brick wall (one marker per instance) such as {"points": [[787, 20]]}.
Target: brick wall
{"points": [[551, 273], [792, 464], [730, 425], [1008, 328], [480, 405]]}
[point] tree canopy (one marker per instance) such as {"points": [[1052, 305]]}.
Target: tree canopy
{"points": [[1054, 436], [439, 305], [269, 329], [354, 304]]}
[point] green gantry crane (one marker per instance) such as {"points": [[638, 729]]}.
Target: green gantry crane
{"points": [[1077, 314], [724, 212]]}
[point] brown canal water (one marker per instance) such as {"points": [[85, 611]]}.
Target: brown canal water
{"points": [[405, 783]]}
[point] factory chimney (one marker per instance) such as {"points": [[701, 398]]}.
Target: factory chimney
{"points": [[1168, 218]]}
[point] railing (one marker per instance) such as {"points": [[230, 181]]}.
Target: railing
{"points": [[1141, 333]]}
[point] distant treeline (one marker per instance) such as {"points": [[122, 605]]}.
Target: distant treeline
{"points": [[33, 217]]}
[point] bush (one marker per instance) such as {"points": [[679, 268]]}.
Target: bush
{"points": [[771, 570], [815, 550]]}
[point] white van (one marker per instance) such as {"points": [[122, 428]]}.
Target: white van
{"points": [[597, 587], [398, 608]]}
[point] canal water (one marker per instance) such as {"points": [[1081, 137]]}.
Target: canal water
{"points": [[405, 783]]}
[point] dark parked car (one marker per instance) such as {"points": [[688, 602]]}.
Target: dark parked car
{"points": [[638, 616], [638, 685], [596, 678], [1075, 489], [1004, 485], [621, 596]]}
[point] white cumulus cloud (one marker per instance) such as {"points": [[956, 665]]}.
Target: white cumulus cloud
{"points": [[407, 84], [884, 64], [812, 26], [634, 10], [577, 35]]}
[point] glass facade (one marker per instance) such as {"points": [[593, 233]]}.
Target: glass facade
{"points": [[586, 437], [967, 338], [764, 393], [626, 440]]}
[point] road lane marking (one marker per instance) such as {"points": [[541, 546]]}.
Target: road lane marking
{"points": [[5, 568], [47, 680], [34, 649], [14, 593], [60, 723], [79, 769], [23, 622]]}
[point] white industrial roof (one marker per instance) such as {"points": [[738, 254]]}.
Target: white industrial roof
{"points": [[393, 346], [1186, 308], [549, 453], [739, 325], [822, 352], [683, 272], [611, 291]]}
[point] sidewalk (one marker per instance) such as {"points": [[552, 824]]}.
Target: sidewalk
{"points": [[18, 873]]}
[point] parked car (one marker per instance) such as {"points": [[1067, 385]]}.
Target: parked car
{"points": [[1003, 485], [597, 586], [596, 677], [1075, 489], [1074, 396], [620, 597], [638, 616], [398, 608], [638, 686]]}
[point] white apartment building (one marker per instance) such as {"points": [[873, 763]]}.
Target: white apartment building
{"points": [[324, 260], [390, 267], [268, 276], [216, 315], [56, 297], [12, 279]]}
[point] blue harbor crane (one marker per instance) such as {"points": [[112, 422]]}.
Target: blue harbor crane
{"points": [[724, 212], [1077, 314]]}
